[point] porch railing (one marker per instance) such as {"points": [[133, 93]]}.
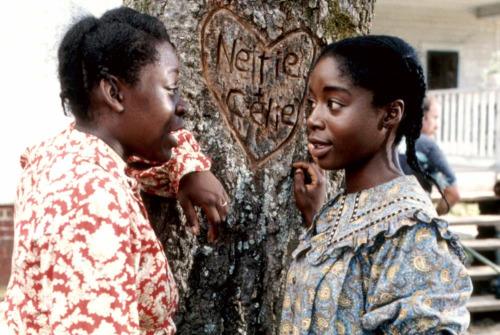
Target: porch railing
{"points": [[470, 123]]}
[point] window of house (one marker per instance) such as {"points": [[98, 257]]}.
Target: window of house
{"points": [[442, 69]]}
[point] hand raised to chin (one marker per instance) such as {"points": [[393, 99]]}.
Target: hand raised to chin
{"points": [[309, 196]]}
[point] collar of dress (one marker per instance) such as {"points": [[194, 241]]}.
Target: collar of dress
{"points": [[383, 209], [99, 152]]}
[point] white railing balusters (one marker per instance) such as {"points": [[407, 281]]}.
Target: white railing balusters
{"points": [[460, 148], [445, 130], [490, 122], [470, 125], [482, 124], [497, 129], [452, 123], [475, 123]]}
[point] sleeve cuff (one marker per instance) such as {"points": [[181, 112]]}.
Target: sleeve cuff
{"points": [[163, 178]]}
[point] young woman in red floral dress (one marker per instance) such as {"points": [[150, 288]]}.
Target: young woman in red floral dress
{"points": [[86, 259]]}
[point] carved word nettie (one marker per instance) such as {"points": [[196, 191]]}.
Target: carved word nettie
{"points": [[259, 85]]}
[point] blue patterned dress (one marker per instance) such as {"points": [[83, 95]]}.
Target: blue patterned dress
{"points": [[391, 266]]}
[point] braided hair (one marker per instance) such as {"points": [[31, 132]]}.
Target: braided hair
{"points": [[120, 43], [389, 67]]}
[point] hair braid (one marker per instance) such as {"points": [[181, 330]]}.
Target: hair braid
{"points": [[411, 127]]}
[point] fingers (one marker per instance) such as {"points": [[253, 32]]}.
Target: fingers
{"points": [[214, 218], [223, 207], [190, 213], [216, 213], [314, 171], [213, 232], [309, 148], [301, 164], [204, 190], [212, 214], [298, 181], [317, 178]]}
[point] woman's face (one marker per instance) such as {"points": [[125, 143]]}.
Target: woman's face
{"points": [[153, 108], [345, 129], [430, 121]]}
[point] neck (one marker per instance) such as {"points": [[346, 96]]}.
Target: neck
{"points": [[381, 168], [101, 132]]}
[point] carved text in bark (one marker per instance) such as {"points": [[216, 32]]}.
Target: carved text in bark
{"points": [[259, 85]]}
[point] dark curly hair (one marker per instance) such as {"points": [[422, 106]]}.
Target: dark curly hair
{"points": [[389, 67], [120, 43]]}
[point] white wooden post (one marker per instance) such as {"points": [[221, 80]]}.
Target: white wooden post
{"points": [[445, 134], [490, 124], [497, 130], [452, 123], [461, 150], [482, 125], [468, 124], [474, 123]]}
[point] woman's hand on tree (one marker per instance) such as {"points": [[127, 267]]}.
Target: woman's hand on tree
{"points": [[309, 196], [203, 189]]}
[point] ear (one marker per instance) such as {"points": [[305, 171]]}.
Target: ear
{"points": [[111, 91], [393, 113]]}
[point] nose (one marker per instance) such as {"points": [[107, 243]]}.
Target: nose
{"points": [[182, 108], [314, 121]]}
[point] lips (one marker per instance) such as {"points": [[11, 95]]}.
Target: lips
{"points": [[173, 127], [172, 140], [319, 148], [176, 123]]}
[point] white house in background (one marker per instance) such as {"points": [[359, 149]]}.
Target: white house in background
{"points": [[462, 35], [458, 42]]}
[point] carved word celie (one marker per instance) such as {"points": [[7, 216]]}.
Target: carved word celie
{"points": [[259, 85]]}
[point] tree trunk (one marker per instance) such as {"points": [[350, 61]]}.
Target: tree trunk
{"points": [[244, 71]]}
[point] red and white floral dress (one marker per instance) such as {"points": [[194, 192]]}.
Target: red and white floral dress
{"points": [[86, 259]]}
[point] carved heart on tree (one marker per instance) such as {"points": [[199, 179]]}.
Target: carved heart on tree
{"points": [[259, 85]]}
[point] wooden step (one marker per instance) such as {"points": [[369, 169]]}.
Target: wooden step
{"points": [[469, 197], [483, 244], [483, 303], [481, 272], [480, 220]]}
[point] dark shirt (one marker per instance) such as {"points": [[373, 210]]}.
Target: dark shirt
{"points": [[432, 160]]}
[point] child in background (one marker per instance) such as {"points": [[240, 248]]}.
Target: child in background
{"points": [[375, 259]]}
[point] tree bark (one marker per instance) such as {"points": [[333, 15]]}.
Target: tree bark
{"points": [[245, 65]]}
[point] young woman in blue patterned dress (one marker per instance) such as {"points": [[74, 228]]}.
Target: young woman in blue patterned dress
{"points": [[375, 258]]}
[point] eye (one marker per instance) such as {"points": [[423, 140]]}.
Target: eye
{"points": [[332, 104], [311, 103], [173, 89]]}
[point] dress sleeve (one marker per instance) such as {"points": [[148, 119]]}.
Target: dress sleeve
{"points": [[163, 179], [417, 284]]}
